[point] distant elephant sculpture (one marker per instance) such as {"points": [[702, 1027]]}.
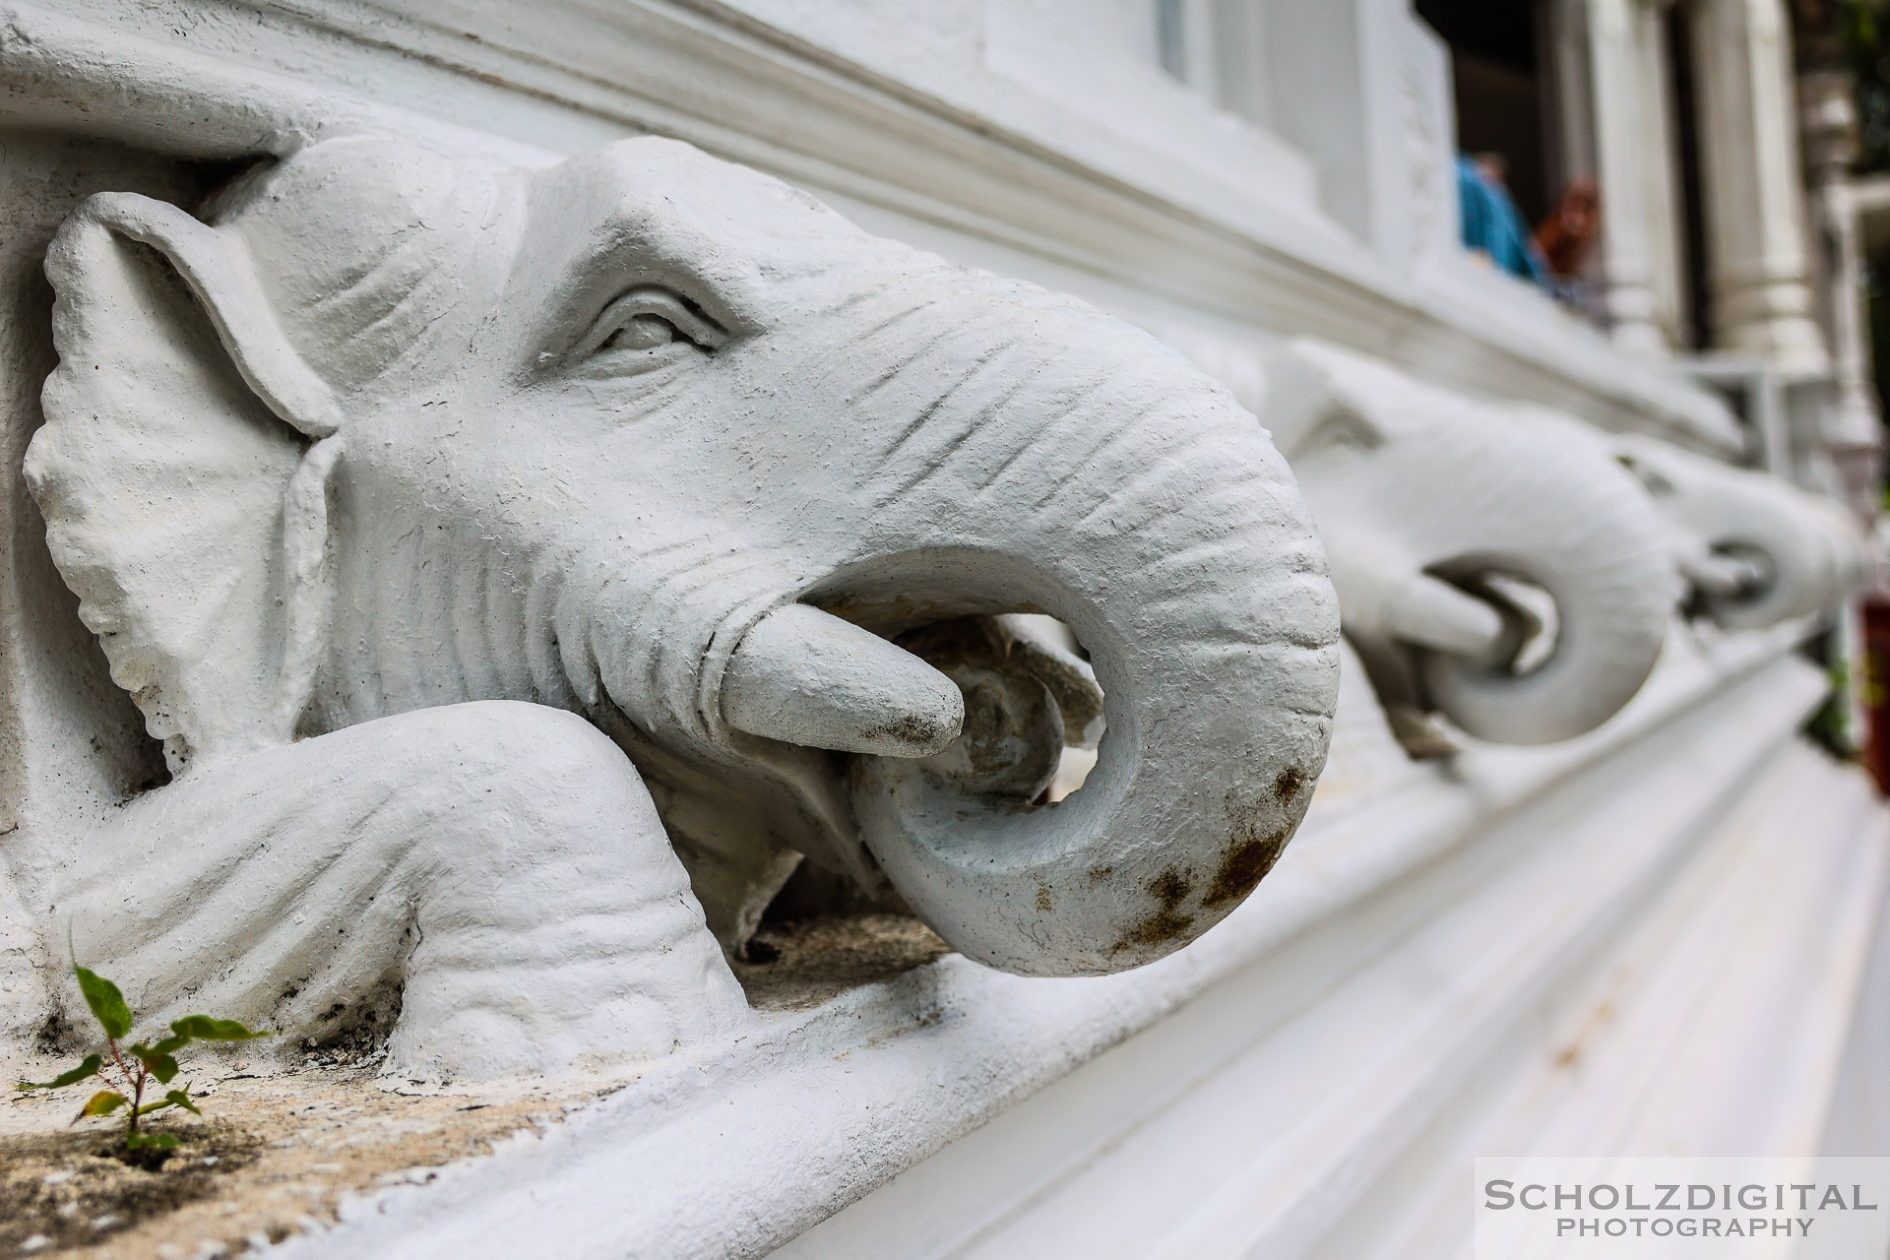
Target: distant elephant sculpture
{"points": [[375, 475], [1507, 576], [1847, 548], [1753, 550]]}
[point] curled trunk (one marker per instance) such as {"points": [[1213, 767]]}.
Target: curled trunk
{"points": [[1161, 527]]}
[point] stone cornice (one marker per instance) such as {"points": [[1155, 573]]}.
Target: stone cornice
{"points": [[704, 72]]}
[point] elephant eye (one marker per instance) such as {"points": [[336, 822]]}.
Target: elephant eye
{"points": [[643, 328], [1655, 484], [645, 332], [1342, 430]]}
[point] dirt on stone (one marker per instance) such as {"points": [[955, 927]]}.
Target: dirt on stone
{"points": [[277, 1150], [794, 965], [272, 1156]]}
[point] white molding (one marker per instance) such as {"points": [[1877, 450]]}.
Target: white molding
{"points": [[1723, 1021], [569, 74]]}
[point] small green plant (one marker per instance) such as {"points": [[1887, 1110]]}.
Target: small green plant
{"points": [[132, 1068]]}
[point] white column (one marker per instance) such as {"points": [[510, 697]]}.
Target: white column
{"points": [[1758, 262], [1613, 124], [1851, 436], [1660, 166], [1621, 121]]}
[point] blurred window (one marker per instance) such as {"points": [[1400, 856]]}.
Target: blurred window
{"points": [[1217, 48]]}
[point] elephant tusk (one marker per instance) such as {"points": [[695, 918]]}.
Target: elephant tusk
{"points": [[1721, 576], [1431, 613], [1069, 678], [807, 677]]}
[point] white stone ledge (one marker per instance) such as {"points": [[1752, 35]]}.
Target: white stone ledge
{"points": [[1715, 1025], [202, 80], [739, 1152]]}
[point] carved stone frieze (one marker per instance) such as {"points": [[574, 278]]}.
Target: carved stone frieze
{"points": [[524, 568]]}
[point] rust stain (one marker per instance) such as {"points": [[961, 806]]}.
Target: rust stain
{"points": [[1571, 1054], [1243, 867], [1155, 930], [1170, 888], [1043, 897], [1165, 924], [907, 730], [1288, 783], [1255, 842]]}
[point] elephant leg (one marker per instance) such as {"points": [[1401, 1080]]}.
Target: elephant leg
{"points": [[494, 872]]}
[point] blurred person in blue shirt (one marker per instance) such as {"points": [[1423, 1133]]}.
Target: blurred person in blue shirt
{"points": [[1492, 225]]}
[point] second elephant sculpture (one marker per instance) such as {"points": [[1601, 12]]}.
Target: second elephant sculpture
{"points": [[1508, 576], [407, 494], [1752, 549]]}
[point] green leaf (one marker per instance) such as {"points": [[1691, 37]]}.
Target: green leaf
{"points": [[157, 1062], [151, 1141], [175, 1098], [88, 1068], [107, 1003], [203, 1028], [102, 1103], [171, 1044]]}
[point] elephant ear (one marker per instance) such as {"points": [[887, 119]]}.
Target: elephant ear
{"points": [[182, 473], [1318, 397]]}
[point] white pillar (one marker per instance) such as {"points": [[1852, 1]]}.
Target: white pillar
{"points": [[1660, 166], [1614, 125], [1851, 436], [1757, 259], [1620, 124]]}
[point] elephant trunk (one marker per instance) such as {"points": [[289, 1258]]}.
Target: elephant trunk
{"points": [[1145, 509], [1761, 536], [1580, 532], [1761, 525]]}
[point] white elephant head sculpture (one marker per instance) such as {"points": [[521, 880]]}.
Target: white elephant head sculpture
{"points": [[1439, 516], [661, 441], [1846, 545], [1752, 549]]}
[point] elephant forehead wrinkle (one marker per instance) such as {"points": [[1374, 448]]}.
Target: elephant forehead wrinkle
{"points": [[669, 210], [362, 261]]}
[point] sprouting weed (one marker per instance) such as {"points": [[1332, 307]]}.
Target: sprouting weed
{"points": [[128, 1070]]}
